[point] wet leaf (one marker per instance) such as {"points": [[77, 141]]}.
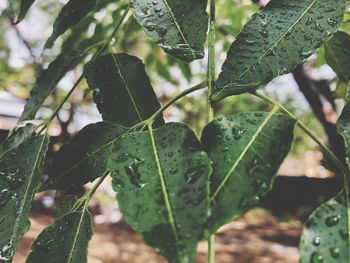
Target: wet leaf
{"points": [[343, 126], [71, 14], [47, 82], [66, 206], [18, 136], [325, 239], [273, 42], [160, 177], [84, 157], [178, 26], [120, 96], [20, 175], [247, 151], [338, 55], [66, 240]]}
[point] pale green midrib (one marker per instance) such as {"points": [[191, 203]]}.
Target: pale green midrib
{"points": [[275, 43], [69, 259], [165, 193], [245, 150], [126, 87], [24, 199], [178, 27], [84, 159]]}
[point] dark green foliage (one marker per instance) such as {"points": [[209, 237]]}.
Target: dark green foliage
{"points": [[84, 157], [337, 52], [178, 26], [20, 176], [122, 89], [326, 235], [66, 240], [17, 137], [24, 7], [160, 177], [71, 14], [273, 42], [247, 150]]}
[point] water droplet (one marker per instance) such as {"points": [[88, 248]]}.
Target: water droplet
{"points": [[331, 22], [334, 252], [173, 171], [132, 170], [316, 258], [249, 42], [5, 196], [316, 241], [344, 233], [193, 174], [332, 220]]}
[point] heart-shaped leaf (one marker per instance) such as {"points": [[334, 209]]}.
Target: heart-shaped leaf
{"points": [[337, 52], [122, 89], [66, 240], [326, 236], [161, 180], [273, 42], [178, 26], [247, 150], [20, 176]]}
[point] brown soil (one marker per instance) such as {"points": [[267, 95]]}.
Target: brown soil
{"points": [[252, 238]]}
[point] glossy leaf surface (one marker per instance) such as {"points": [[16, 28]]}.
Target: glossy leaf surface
{"points": [[66, 240], [325, 237], [18, 136], [47, 82], [343, 126], [160, 177], [84, 157], [178, 26], [72, 13], [122, 89], [247, 150], [337, 52], [273, 42], [20, 176]]}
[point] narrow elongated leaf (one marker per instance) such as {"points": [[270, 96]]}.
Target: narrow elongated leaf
{"points": [[273, 42], [247, 150], [122, 89], [343, 125], [325, 237], [160, 177], [17, 137], [337, 52], [84, 157], [24, 7], [20, 176], [66, 240], [178, 26], [66, 206], [47, 82], [71, 14]]}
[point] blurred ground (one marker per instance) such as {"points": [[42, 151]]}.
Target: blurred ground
{"points": [[255, 237]]}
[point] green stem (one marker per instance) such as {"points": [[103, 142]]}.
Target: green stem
{"points": [[211, 83], [323, 147], [199, 86]]}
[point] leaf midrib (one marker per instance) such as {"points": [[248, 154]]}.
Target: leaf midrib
{"points": [[245, 150], [165, 2], [126, 86], [24, 199], [75, 240], [274, 44]]}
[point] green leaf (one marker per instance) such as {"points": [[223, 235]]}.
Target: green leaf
{"points": [[338, 54], [247, 150], [84, 157], [325, 237], [20, 176], [47, 82], [66, 206], [66, 240], [178, 26], [273, 42], [18, 136], [71, 14], [24, 7], [122, 89], [160, 177], [343, 125]]}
